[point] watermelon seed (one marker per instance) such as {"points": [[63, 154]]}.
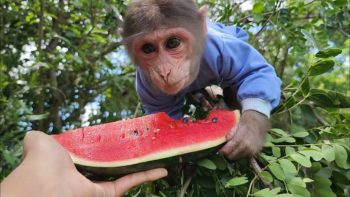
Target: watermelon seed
{"points": [[214, 120], [135, 132], [122, 135]]}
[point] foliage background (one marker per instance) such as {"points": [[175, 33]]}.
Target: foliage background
{"points": [[62, 66]]}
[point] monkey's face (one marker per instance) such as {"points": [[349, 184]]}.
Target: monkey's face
{"points": [[166, 57]]}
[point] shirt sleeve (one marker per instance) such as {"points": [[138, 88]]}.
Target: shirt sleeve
{"points": [[240, 64]]}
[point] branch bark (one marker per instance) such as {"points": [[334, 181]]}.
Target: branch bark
{"points": [[109, 48], [267, 21], [283, 63], [61, 19], [41, 24], [257, 169]]}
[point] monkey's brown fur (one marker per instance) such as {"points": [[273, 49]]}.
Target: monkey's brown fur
{"points": [[145, 16]]}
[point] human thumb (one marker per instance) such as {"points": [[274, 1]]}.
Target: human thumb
{"points": [[125, 183]]}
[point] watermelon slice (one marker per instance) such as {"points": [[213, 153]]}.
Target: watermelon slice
{"points": [[146, 142]]}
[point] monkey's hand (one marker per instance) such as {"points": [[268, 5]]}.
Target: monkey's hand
{"points": [[246, 140]]}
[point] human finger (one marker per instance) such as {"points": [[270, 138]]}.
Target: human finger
{"points": [[125, 183]]}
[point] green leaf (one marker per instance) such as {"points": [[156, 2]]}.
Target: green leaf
{"points": [[219, 162], [236, 181], [36, 117], [322, 187], [340, 2], [279, 132], [300, 134], [277, 171], [266, 176], [328, 152], [301, 159], [316, 155], [310, 39], [341, 177], [321, 67], [268, 158], [258, 7], [288, 167], [308, 180], [206, 182], [329, 98], [276, 151], [289, 150], [332, 52], [284, 139], [298, 187], [206, 163], [321, 98], [267, 192], [99, 38], [305, 86], [341, 156], [268, 140], [297, 181], [284, 195]]}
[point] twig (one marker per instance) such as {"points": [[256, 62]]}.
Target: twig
{"points": [[321, 120], [138, 106], [283, 62], [267, 20], [185, 186], [108, 49], [56, 27], [257, 169], [41, 24]]}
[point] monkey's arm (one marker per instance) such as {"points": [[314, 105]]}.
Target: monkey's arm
{"points": [[239, 65], [246, 140], [258, 90]]}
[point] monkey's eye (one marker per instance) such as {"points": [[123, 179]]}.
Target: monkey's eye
{"points": [[148, 48], [172, 43]]}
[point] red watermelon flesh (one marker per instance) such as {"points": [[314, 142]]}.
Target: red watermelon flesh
{"points": [[147, 138]]}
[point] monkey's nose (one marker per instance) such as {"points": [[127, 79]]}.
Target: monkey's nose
{"points": [[165, 75]]}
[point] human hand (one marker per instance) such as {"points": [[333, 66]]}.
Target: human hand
{"points": [[48, 170], [247, 139]]}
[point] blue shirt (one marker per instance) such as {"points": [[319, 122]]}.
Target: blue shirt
{"points": [[228, 60]]}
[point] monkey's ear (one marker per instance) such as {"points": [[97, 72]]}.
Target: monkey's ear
{"points": [[203, 14]]}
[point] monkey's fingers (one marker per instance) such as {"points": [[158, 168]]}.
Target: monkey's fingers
{"points": [[232, 133]]}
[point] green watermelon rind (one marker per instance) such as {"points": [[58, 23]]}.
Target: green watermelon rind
{"points": [[95, 172], [157, 159]]}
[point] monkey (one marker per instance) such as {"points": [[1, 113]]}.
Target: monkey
{"points": [[177, 50]]}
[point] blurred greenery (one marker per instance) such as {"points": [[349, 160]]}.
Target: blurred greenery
{"points": [[62, 66]]}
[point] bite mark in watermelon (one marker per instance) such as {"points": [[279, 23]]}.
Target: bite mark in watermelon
{"points": [[126, 143]]}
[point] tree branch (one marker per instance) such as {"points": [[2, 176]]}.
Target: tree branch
{"points": [[61, 19], [283, 62], [257, 169], [267, 20], [107, 50], [41, 24]]}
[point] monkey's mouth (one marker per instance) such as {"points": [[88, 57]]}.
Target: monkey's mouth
{"points": [[174, 87]]}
